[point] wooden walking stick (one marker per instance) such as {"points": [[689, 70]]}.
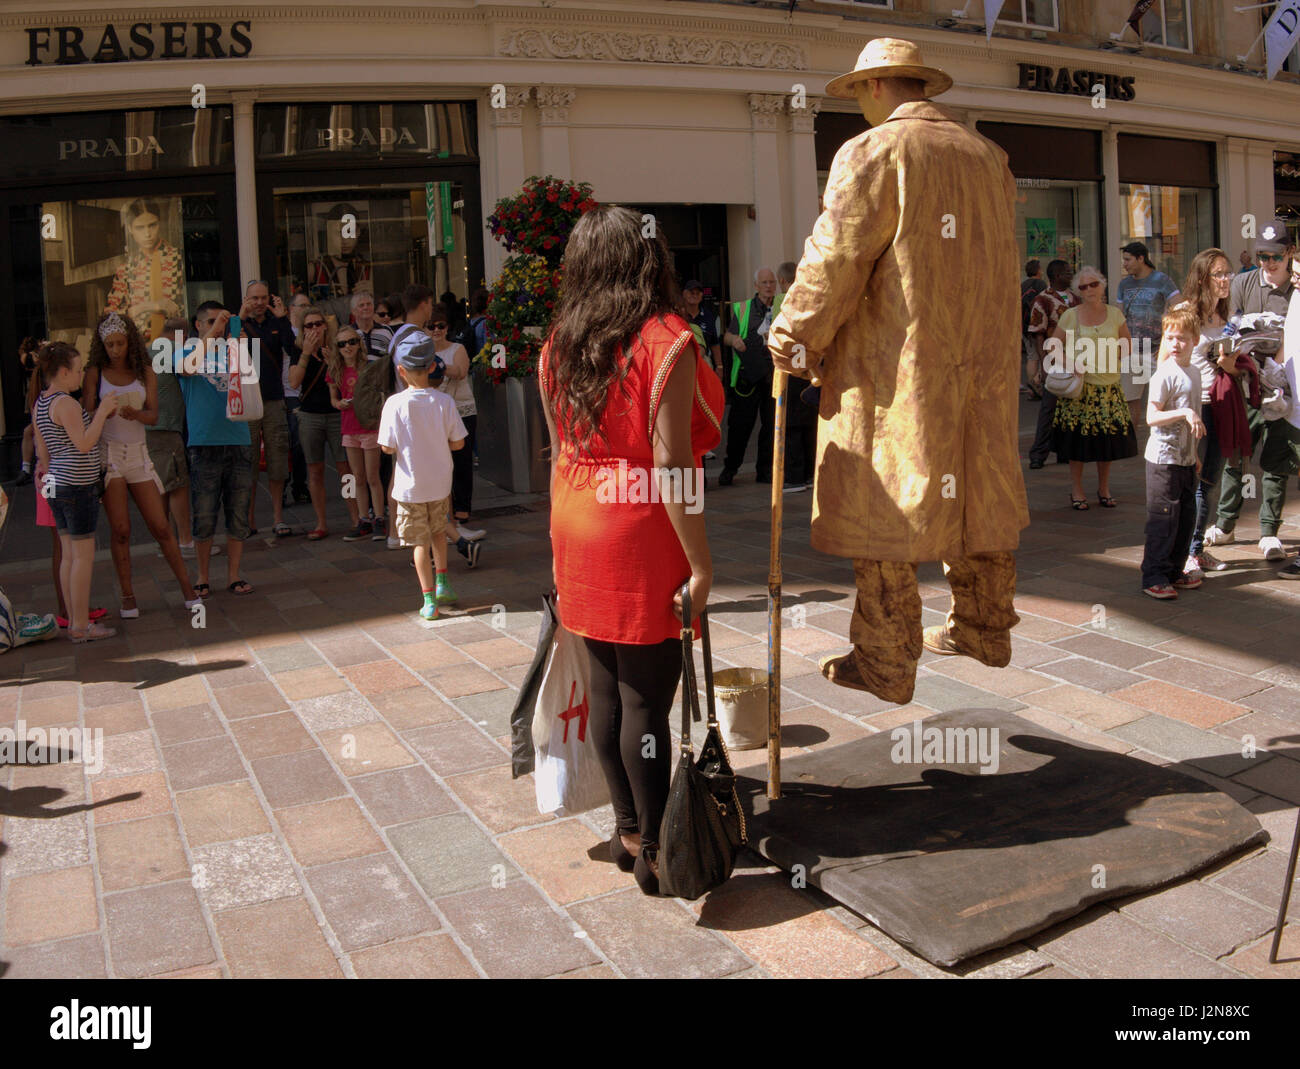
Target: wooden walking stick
{"points": [[774, 589]]}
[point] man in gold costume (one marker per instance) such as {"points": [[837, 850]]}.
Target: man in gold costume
{"points": [[905, 309]]}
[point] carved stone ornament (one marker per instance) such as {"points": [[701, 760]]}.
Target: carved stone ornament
{"points": [[553, 102], [516, 96], [651, 48], [766, 109], [802, 120]]}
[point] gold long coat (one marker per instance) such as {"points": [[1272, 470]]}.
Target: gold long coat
{"points": [[907, 294]]}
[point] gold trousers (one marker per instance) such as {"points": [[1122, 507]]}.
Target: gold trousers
{"points": [[886, 627]]}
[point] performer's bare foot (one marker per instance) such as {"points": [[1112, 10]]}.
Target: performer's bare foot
{"points": [[939, 639], [847, 671]]}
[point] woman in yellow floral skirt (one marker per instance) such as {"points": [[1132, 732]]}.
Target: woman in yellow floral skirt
{"points": [[1095, 426]]}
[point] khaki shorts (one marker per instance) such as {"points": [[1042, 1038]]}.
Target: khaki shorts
{"points": [[420, 522], [167, 451], [273, 428], [130, 463]]}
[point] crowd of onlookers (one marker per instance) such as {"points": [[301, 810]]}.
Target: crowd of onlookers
{"points": [[109, 428], [1211, 404]]}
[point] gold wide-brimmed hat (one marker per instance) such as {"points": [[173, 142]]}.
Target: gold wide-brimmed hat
{"points": [[889, 57]]}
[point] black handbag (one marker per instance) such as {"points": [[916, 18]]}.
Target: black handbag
{"points": [[703, 827], [522, 756]]}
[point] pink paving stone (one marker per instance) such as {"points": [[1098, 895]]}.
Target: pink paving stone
{"points": [[49, 905], [426, 957], [559, 857], [1199, 710], [47, 711], [460, 680], [365, 748], [498, 652], [413, 707], [786, 932], [81, 957], [249, 700], [327, 831], [502, 803], [379, 678], [137, 852], [278, 939], [113, 801]]}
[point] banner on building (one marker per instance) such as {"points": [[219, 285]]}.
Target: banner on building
{"points": [[1281, 34], [1139, 212], [1135, 16], [991, 11], [431, 215], [1169, 211]]}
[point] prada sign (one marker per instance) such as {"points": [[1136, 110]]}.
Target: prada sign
{"points": [[1078, 83], [138, 41]]}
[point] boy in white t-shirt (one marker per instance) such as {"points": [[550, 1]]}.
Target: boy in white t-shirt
{"points": [[1174, 416], [420, 429]]}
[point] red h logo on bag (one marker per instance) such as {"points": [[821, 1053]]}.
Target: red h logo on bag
{"points": [[580, 710]]}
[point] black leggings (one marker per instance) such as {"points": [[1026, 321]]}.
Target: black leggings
{"points": [[462, 468], [632, 690]]}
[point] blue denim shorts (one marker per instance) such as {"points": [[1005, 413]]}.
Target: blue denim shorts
{"points": [[76, 510], [221, 476]]}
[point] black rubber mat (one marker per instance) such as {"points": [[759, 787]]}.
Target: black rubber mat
{"points": [[905, 829]]}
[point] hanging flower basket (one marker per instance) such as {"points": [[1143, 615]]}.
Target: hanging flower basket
{"points": [[539, 218]]}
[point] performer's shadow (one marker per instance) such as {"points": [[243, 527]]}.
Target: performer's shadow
{"points": [[927, 810]]}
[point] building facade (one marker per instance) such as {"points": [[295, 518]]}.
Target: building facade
{"points": [[330, 147]]}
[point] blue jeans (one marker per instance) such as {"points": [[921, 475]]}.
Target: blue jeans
{"points": [[76, 509], [220, 476], [1211, 466]]}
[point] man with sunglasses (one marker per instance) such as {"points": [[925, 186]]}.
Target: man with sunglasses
{"points": [[1267, 290], [265, 319]]}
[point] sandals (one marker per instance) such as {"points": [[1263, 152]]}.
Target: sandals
{"points": [[318, 534], [282, 530], [240, 588], [203, 590], [92, 633], [1106, 502], [1079, 504]]}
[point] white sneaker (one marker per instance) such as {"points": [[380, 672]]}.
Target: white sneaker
{"points": [[1217, 536], [1192, 569], [1209, 562], [394, 542], [1271, 547], [471, 535]]}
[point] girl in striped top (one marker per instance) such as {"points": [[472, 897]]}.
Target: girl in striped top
{"points": [[67, 442]]}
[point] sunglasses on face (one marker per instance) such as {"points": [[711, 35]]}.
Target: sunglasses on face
{"points": [[381, 313], [1270, 257], [1088, 285], [348, 341], [314, 324], [1222, 276], [437, 326]]}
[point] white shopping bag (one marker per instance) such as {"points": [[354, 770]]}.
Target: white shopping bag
{"points": [[568, 776]]}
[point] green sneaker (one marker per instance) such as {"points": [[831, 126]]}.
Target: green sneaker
{"points": [[429, 611], [445, 595]]}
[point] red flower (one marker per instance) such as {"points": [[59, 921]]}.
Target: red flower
{"points": [[552, 197]]}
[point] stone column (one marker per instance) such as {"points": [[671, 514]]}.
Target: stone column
{"points": [[553, 103], [1113, 211], [803, 175], [246, 190], [507, 125], [1246, 188], [765, 111]]}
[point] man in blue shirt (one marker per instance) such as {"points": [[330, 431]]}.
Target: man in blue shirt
{"points": [[1143, 294], [220, 456]]}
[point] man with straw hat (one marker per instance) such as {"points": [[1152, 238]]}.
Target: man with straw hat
{"points": [[905, 310]]}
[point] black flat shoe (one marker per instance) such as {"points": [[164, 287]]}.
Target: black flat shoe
{"points": [[620, 854], [645, 877]]}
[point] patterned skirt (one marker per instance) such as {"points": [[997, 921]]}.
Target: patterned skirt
{"points": [[1094, 426]]}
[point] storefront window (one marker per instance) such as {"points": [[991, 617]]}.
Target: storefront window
{"points": [[1172, 222], [149, 257], [1058, 220], [403, 131], [332, 242]]}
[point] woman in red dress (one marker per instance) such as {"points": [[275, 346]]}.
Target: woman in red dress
{"points": [[632, 408]]}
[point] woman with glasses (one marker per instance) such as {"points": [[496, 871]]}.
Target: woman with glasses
{"points": [[1094, 427], [319, 422], [1206, 291], [361, 443]]}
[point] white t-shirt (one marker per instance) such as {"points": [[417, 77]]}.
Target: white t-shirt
{"points": [[1174, 387], [420, 425]]}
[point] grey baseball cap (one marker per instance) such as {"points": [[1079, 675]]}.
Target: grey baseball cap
{"points": [[1273, 237], [418, 353]]}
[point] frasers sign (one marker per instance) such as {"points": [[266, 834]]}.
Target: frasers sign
{"points": [[1075, 83], [138, 41]]}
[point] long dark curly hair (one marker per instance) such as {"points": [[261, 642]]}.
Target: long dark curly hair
{"points": [[1197, 290], [137, 355], [615, 280]]}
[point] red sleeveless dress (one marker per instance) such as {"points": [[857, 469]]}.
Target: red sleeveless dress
{"points": [[618, 562]]}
